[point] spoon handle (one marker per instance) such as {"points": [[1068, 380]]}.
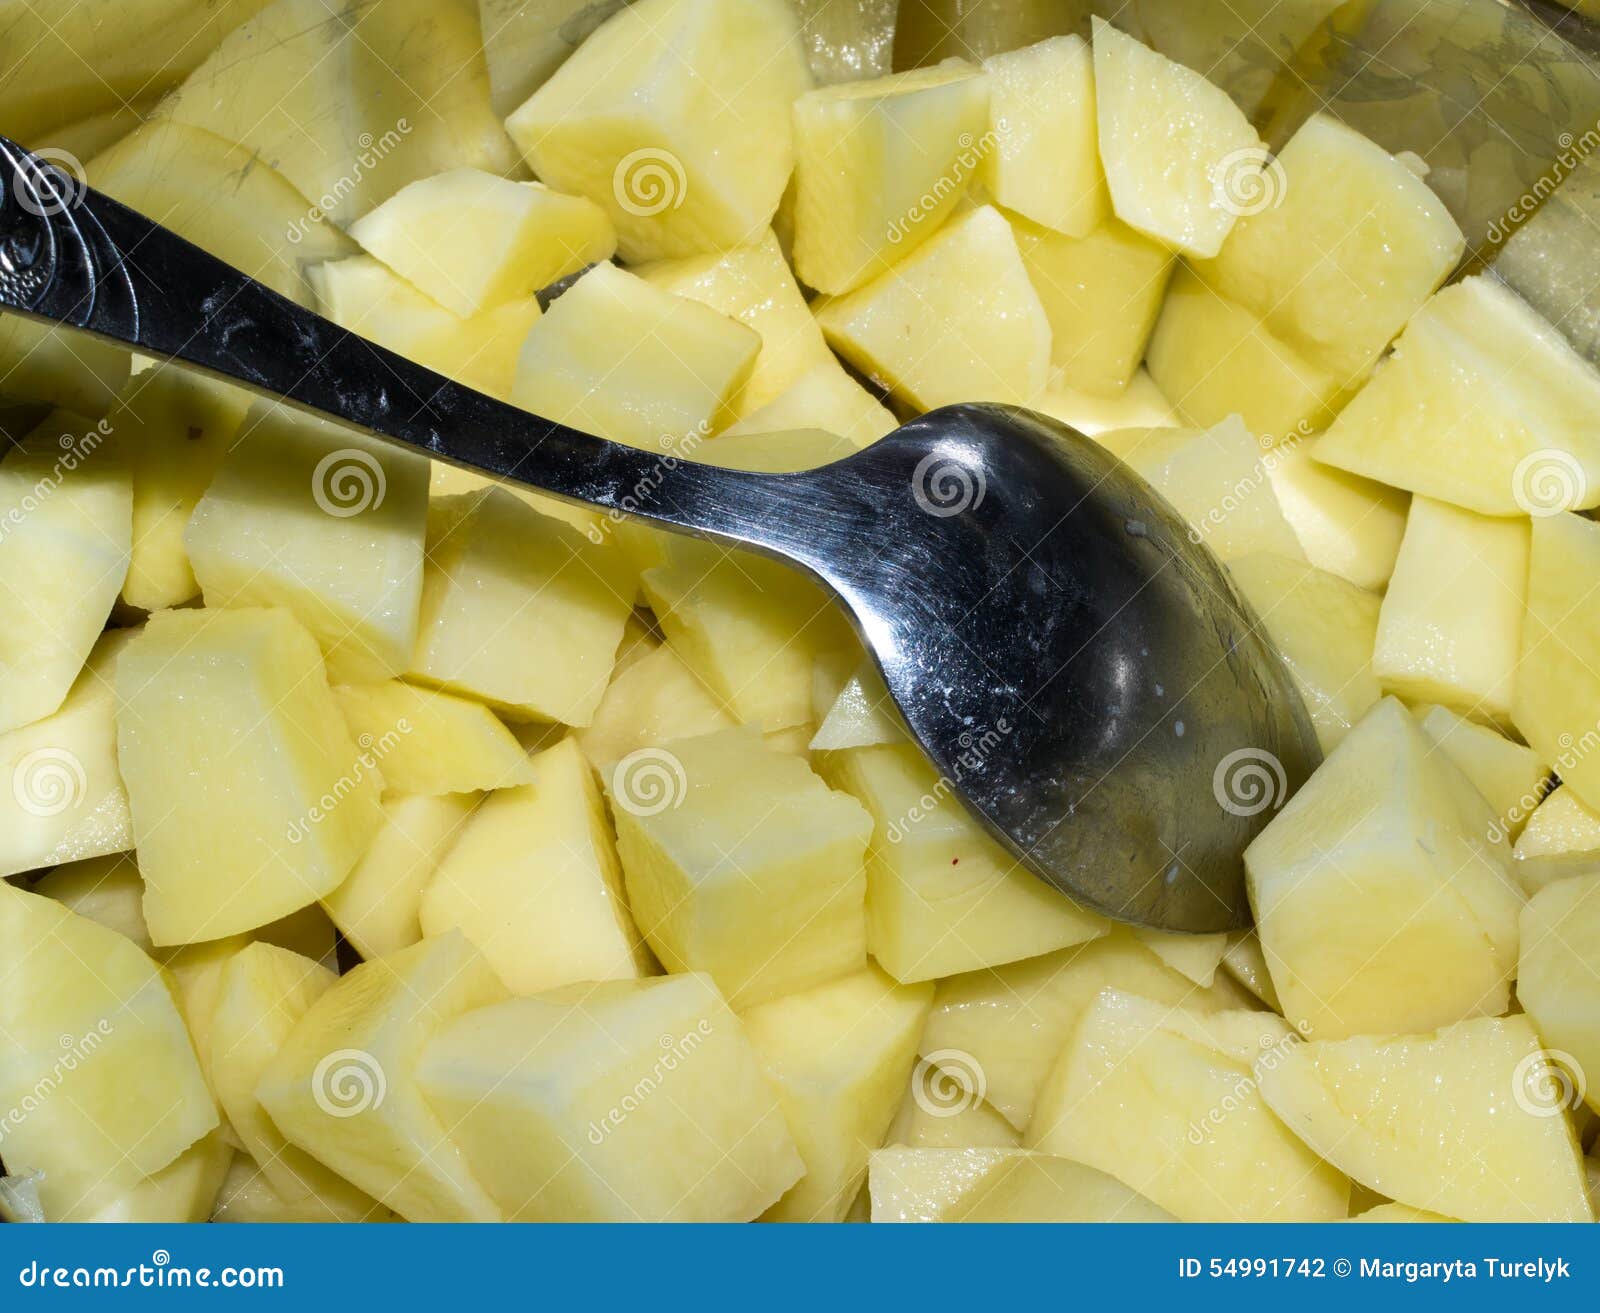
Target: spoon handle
{"points": [[73, 256]]}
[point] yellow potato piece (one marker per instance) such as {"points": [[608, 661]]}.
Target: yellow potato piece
{"points": [[431, 742], [1347, 525], [1039, 1188], [1561, 838], [1556, 980], [1510, 775], [922, 1185]]}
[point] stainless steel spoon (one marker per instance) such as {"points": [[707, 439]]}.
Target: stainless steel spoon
{"points": [[1078, 669]]}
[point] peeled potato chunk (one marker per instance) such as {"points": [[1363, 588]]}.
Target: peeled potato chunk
{"points": [[879, 165], [1348, 526], [472, 240], [249, 798], [1459, 1121], [957, 320], [1556, 980], [1178, 153], [533, 880], [432, 742], [1510, 775], [1164, 1101], [1382, 890], [1561, 839], [627, 122], [839, 1056], [1038, 1188], [741, 863], [653, 701], [618, 1101], [925, 1184], [825, 397]]}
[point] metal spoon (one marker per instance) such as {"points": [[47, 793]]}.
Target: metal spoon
{"points": [[1078, 669]]}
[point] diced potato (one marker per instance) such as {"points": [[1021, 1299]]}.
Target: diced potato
{"points": [[839, 1055], [368, 298], [681, 369], [1451, 624], [1039, 1188], [825, 397], [1510, 775], [627, 122], [1011, 1022], [1043, 153], [350, 104], [1562, 838], [66, 800], [107, 890], [1247, 964], [431, 742], [753, 284], [222, 197], [1557, 984], [473, 241], [1349, 243], [65, 536], [1382, 890], [503, 581], [923, 1185], [1217, 480], [652, 702], [376, 907], [313, 517], [619, 1101], [525, 41], [247, 1196], [1101, 292], [533, 881], [879, 165], [1214, 358], [1449, 1122], [1348, 526], [741, 863], [249, 799], [51, 366], [343, 1086], [1165, 1101], [1180, 158], [862, 715], [1323, 629], [263, 991], [1398, 1213], [98, 1070], [1483, 404], [964, 1123], [1195, 957], [847, 39], [1557, 702], [942, 896], [1140, 405], [956, 320], [182, 1191]]}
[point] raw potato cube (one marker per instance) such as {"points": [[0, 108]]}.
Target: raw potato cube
{"points": [[1451, 624], [366, 297], [861, 715], [753, 284], [1217, 480], [65, 800], [1214, 358], [247, 1196], [431, 742], [1343, 245], [1348, 526], [1483, 404], [343, 1086], [1510, 775], [263, 991], [309, 516], [1561, 839], [1008, 1024], [839, 1056], [376, 908], [249, 799], [182, 1191], [923, 1185], [741, 863], [879, 165], [533, 881], [1101, 293], [98, 1072], [1038, 1188], [1164, 1100], [653, 701], [1247, 964], [1382, 890], [966, 1122], [473, 241], [1180, 158], [53, 366], [1323, 629], [825, 397], [1042, 155], [957, 320], [1557, 984], [65, 536], [525, 41], [1141, 405], [1194, 957], [350, 102], [620, 1101], [942, 896], [620, 358], [1557, 702], [106, 890], [503, 581], [1453, 1122], [630, 121]]}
